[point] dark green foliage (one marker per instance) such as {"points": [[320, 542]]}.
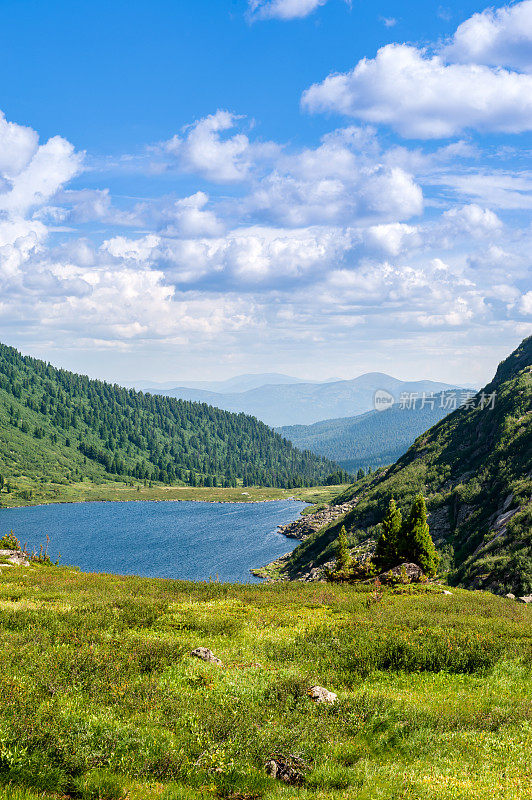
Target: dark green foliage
{"points": [[473, 467], [416, 545], [57, 424], [388, 549], [9, 542], [343, 557]]}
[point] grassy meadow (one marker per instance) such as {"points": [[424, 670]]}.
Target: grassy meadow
{"points": [[102, 700], [25, 491]]}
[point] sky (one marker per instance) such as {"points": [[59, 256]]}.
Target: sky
{"points": [[193, 190]]}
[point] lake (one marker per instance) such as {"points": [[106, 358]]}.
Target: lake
{"points": [[186, 540]]}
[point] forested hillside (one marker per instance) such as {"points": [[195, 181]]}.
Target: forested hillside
{"points": [[376, 438], [475, 469], [56, 425]]}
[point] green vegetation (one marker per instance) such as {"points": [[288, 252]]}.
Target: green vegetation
{"points": [[57, 427], [100, 696], [475, 469], [27, 493], [376, 438], [387, 550]]}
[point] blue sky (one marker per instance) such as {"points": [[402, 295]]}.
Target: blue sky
{"points": [[192, 190]]}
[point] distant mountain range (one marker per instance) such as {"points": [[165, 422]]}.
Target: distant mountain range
{"points": [[475, 469], [295, 402], [239, 383], [373, 439]]}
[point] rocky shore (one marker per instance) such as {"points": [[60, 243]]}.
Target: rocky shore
{"points": [[305, 525]]}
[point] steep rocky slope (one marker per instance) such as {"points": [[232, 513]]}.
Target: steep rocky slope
{"points": [[475, 469]]}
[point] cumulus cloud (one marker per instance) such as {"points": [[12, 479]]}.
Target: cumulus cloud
{"points": [[473, 220], [497, 37], [420, 96], [340, 181], [204, 150]]}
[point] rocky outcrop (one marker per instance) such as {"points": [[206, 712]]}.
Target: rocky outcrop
{"points": [[321, 695], [287, 769], [206, 655], [403, 573], [309, 523], [15, 558]]}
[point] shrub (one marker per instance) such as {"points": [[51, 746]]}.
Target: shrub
{"points": [[10, 542]]}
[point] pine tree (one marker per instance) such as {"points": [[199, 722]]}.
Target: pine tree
{"points": [[388, 550], [343, 556], [417, 545]]}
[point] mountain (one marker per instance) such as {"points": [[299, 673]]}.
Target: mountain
{"points": [[306, 403], [239, 383], [475, 469], [373, 439], [58, 425]]}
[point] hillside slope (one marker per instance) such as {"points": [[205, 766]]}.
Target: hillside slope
{"points": [[102, 697], [374, 439], [475, 468], [58, 425], [306, 403]]}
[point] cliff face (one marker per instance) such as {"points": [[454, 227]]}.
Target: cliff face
{"points": [[475, 469]]}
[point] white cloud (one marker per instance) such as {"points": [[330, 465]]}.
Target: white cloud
{"points": [[283, 9], [501, 37], [472, 220], [189, 217], [17, 146], [525, 305], [140, 250], [392, 239], [420, 96], [340, 181], [223, 160], [52, 165]]}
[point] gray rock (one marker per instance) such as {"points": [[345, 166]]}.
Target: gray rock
{"points": [[321, 695], [510, 596], [288, 770], [526, 599], [206, 655], [446, 592], [412, 572], [15, 557]]}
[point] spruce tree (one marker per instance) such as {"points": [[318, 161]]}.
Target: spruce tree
{"points": [[343, 556], [417, 545], [388, 550]]}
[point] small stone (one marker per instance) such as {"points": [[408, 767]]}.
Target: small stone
{"points": [[321, 695], [526, 599], [445, 591], [206, 655], [510, 596], [289, 770]]}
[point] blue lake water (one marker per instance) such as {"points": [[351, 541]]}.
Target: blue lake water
{"points": [[186, 540]]}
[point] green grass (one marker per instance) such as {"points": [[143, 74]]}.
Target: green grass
{"points": [[101, 698], [76, 492]]}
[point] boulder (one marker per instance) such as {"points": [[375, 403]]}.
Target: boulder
{"points": [[510, 596], [397, 574], [288, 770], [206, 655], [321, 695], [15, 557], [526, 599]]}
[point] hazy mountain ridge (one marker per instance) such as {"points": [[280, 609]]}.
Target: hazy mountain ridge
{"points": [[475, 468], [373, 439], [306, 403]]}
